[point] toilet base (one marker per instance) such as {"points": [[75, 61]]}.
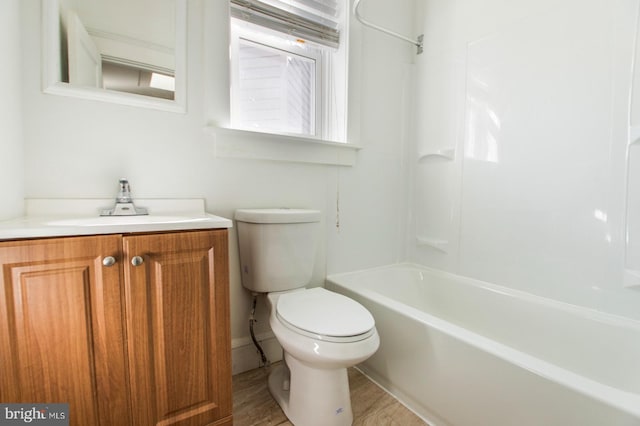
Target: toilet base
{"points": [[315, 397]]}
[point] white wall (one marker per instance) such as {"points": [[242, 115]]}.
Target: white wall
{"points": [[535, 98], [370, 200], [11, 160], [79, 148]]}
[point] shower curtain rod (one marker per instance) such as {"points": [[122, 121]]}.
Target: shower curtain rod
{"points": [[418, 43]]}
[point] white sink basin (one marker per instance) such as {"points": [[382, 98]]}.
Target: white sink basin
{"points": [[59, 218], [126, 220]]}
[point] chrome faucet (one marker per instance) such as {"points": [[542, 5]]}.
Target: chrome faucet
{"points": [[124, 203]]}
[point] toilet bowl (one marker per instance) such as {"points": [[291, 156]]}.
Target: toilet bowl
{"points": [[321, 333]]}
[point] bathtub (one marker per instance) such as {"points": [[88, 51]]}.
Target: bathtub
{"points": [[462, 352]]}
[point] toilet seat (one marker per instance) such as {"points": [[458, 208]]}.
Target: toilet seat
{"points": [[324, 315]]}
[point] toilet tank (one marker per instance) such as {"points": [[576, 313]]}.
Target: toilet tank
{"points": [[277, 247]]}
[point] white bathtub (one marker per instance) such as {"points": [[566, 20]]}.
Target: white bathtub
{"points": [[467, 353]]}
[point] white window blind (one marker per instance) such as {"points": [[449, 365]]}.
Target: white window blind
{"points": [[312, 20]]}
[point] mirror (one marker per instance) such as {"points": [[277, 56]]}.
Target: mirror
{"points": [[130, 52]]}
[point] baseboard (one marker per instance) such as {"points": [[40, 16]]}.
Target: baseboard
{"points": [[245, 356]]}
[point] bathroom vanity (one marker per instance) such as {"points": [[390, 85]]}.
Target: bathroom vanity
{"points": [[128, 328]]}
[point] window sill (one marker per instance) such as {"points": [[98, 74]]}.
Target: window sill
{"points": [[233, 143]]}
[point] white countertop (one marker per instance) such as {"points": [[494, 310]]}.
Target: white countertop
{"points": [[56, 218]]}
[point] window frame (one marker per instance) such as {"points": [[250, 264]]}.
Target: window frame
{"points": [[339, 148]]}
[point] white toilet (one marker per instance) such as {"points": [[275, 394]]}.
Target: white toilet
{"points": [[322, 333]]}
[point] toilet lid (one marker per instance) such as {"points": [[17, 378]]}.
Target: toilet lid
{"points": [[322, 312]]}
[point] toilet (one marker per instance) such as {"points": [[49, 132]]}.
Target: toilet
{"points": [[321, 333]]}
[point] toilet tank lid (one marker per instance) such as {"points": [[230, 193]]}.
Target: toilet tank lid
{"points": [[280, 215]]}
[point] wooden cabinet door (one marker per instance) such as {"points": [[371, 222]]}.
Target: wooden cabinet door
{"points": [[61, 334], [177, 304]]}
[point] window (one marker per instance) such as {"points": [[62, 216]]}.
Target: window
{"points": [[288, 67], [275, 87]]}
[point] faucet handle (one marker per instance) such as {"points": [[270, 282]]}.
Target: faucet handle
{"points": [[124, 195]]}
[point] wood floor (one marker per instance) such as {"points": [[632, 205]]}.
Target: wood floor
{"points": [[253, 404]]}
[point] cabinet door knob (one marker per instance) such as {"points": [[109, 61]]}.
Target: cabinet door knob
{"points": [[109, 261], [137, 260]]}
